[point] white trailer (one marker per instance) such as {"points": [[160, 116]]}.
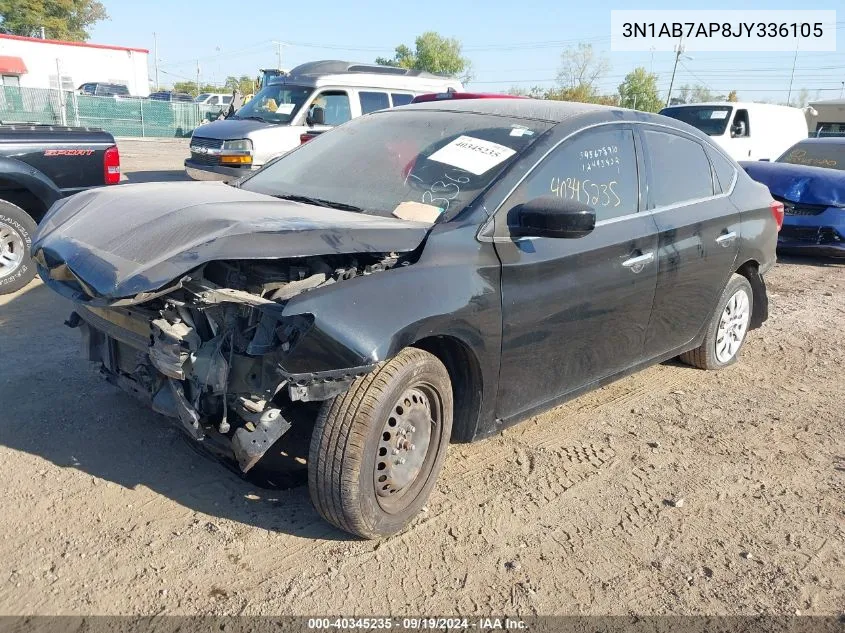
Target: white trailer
{"points": [[29, 62]]}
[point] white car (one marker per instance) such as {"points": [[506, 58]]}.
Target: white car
{"points": [[213, 99]]}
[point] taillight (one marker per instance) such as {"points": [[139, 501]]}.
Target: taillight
{"points": [[111, 165], [304, 138], [777, 212]]}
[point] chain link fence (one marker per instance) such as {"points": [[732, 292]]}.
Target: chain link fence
{"points": [[122, 116]]}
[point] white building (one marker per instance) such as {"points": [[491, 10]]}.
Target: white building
{"points": [[30, 62]]}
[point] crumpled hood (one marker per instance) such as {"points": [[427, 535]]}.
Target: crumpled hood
{"points": [[799, 183], [124, 240]]}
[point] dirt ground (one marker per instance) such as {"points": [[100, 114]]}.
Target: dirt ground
{"points": [[672, 491]]}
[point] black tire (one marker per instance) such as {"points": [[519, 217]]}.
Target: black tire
{"points": [[705, 356], [16, 231], [346, 463]]}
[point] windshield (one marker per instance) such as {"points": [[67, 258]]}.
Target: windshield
{"points": [[712, 120], [830, 155], [277, 103], [202, 97], [438, 161]]}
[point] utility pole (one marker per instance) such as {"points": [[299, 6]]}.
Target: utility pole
{"points": [[155, 57], [279, 46], [198, 77], [792, 76], [679, 50], [651, 68], [842, 90]]}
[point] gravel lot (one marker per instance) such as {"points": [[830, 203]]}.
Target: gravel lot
{"points": [[672, 491]]}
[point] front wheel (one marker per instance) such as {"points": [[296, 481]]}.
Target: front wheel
{"points": [[727, 328], [377, 449], [16, 230]]}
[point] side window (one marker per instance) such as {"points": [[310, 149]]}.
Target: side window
{"points": [[596, 167], [372, 101], [401, 99], [724, 169], [214, 101], [680, 170], [740, 127], [336, 105]]}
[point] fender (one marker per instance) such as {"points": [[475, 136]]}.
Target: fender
{"points": [[29, 178], [453, 291]]}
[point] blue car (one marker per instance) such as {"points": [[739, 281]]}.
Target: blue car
{"points": [[810, 181]]}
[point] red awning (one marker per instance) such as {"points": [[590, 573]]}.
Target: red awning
{"points": [[12, 66]]}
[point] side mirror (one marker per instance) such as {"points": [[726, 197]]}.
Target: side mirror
{"points": [[317, 116], [550, 216]]}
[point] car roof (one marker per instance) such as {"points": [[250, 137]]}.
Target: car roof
{"points": [[824, 140], [538, 109]]}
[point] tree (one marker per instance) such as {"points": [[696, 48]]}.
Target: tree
{"points": [[432, 53], [802, 99], [700, 94], [583, 93], [580, 67], [244, 83], [191, 87], [535, 92], [639, 91], [61, 19], [732, 96]]}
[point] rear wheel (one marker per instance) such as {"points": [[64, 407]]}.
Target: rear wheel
{"points": [[727, 328], [377, 449], [16, 230]]}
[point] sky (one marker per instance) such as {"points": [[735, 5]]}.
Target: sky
{"points": [[508, 43]]}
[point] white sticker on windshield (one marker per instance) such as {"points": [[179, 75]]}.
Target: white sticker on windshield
{"points": [[285, 108], [719, 114], [471, 154]]}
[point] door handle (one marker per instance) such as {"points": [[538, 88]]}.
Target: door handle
{"points": [[637, 263], [726, 238]]}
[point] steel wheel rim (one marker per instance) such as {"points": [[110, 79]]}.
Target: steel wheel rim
{"points": [[733, 324], [406, 446], [12, 250]]}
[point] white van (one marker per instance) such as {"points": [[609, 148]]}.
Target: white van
{"points": [[746, 131], [312, 97]]}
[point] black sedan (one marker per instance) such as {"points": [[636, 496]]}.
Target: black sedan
{"points": [[431, 273]]}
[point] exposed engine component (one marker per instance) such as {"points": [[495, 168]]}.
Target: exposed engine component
{"points": [[208, 351]]}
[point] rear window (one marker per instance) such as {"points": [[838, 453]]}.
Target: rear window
{"points": [[830, 155], [712, 120]]}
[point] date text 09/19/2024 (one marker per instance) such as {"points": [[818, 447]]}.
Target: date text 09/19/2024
{"points": [[411, 623]]}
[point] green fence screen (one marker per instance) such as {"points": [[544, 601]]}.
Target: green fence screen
{"points": [[122, 116]]}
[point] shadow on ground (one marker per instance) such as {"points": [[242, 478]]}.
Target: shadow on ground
{"points": [[804, 260], [57, 407], [157, 175]]}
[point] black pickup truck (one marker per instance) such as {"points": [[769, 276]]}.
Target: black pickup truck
{"points": [[38, 165]]}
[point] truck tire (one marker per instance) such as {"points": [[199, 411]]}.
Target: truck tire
{"points": [[377, 449], [727, 328], [16, 230]]}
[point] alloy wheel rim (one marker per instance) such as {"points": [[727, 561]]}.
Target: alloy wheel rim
{"points": [[12, 250], [733, 325], [404, 444]]}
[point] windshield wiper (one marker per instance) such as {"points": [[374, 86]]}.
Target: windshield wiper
{"points": [[254, 118], [319, 202]]}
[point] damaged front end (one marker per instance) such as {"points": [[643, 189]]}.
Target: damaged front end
{"points": [[211, 351]]}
